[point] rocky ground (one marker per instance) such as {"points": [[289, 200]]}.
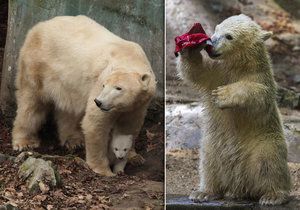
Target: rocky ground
{"points": [[28, 181]]}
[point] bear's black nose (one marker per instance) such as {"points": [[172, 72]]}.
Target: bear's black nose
{"points": [[120, 158], [98, 103]]}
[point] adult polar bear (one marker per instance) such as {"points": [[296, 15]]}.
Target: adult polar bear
{"points": [[243, 153], [73, 62]]}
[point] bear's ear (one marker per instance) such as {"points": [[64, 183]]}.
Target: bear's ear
{"points": [[245, 16], [145, 79], [265, 35]]}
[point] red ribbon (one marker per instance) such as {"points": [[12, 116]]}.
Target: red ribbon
{"points": [[196, 36]]}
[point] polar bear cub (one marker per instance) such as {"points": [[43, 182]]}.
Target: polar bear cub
{"points": [[119, 148], [244, 153]]}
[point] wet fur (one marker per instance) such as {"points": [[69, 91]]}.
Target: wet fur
{"points": [[243, 153]]}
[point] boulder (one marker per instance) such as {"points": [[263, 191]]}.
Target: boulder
{"points": [[39, 174]]}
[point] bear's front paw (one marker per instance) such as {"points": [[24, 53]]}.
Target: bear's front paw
{"points": [[26, 144], [120, 173], [222, 97], [199, 196], [119, 170], [72, 144], [274, 198], [104, 172]]}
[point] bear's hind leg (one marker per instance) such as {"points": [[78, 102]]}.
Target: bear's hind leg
{"points": [[272, 178], [204, 196], [274, 198], [69, 130], [31, 113], [209, 187]]}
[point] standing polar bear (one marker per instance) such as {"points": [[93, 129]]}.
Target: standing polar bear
{"points": [[95, 80], [243, 153]]}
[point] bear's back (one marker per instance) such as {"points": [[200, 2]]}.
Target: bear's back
{"points": [[70, 53], [68, 32]]}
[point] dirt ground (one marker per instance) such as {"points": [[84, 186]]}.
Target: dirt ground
{"points": [[141, 188]]}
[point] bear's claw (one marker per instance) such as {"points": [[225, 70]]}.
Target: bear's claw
{"points": [[120, 173], [199, 196], [104, 172], [273, 199], [222, 97], [72, 144], [26, 144]]}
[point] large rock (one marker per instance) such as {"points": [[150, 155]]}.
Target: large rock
{"points": [[40, 174], [291, 40], [292, 135], [288, 98], [183, 126], [8, 207]]}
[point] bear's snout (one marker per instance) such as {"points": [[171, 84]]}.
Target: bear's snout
{"points": [[101, 105], [98, 103], [213, 53]]}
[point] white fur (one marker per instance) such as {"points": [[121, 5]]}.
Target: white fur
{"points": [[243, 153], [118, 151], [65, 62]]}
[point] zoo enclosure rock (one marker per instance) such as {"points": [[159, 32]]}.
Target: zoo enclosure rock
{"points": [[40, 174], [183, 126], [8, 207], [288, 98], [138, 21]]}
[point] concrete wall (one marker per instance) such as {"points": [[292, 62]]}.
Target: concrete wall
{"points": [[135, 20]]}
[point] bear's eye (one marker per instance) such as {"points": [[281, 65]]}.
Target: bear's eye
{"points": [[125, 150], [116, 149], [103, 85], [228, 36], [118, 88]]}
